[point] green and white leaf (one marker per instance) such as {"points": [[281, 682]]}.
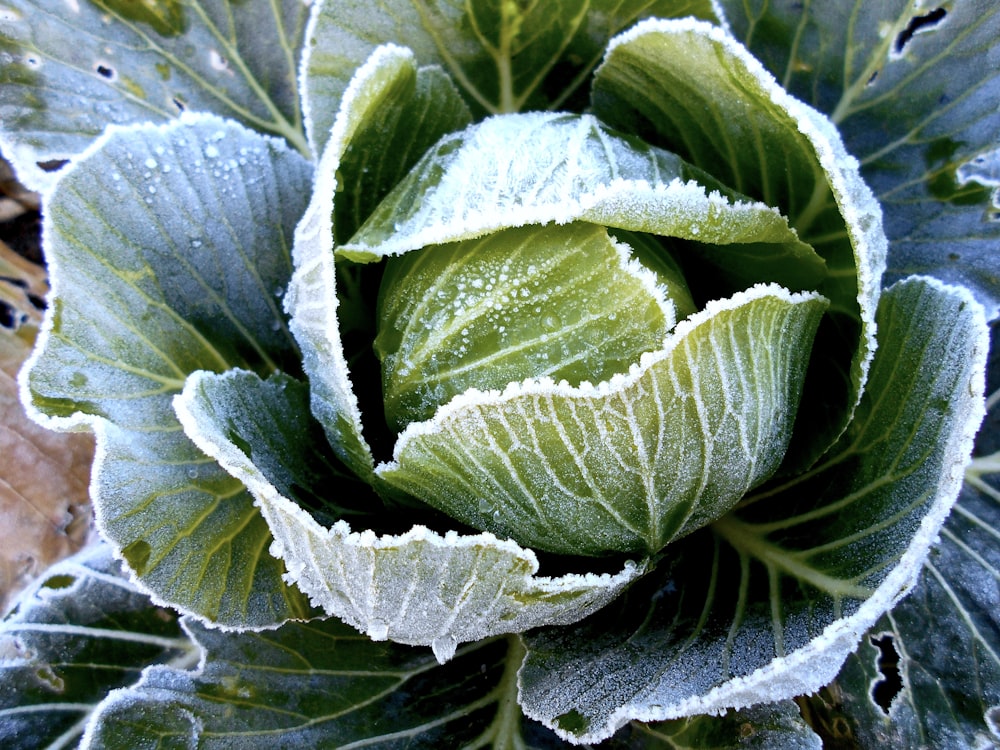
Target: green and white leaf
{"points": [[691, 88], [77, 633], [505, 56], [634, 462], [419, 587], [188, 276], [946, 634], [539, 168], [768, 602], [928, 161], [529, 302], [132, 62], [389, 100]]}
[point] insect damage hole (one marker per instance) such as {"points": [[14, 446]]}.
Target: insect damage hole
{"points": [[105, 71], [884, 691], [917, 25]]}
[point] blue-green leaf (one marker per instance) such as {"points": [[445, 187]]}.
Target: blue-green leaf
{"points": [[77, 633], [505, 56], [188, 275], [768, 602], [70, 69]]}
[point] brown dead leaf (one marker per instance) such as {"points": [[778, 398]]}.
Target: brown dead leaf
{"points": [[44, 476]]}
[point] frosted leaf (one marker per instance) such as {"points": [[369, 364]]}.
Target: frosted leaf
{"points": [[142, 295], [634, 462], [513, 170], [521, 303], [766, 604], [419, 587], [692, 88], [387, 95], [130, 63], [474, 43]]}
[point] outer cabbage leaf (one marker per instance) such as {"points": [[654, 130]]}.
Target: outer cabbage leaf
{"points": [[505, 56], [929, 672], [420, 587], [188, 276], [777, 726], [318, 684], [78, 632], [766, 604], [134, 62], [691, 88], [932, 163]]}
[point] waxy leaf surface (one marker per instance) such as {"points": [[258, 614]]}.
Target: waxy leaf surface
{"points": [[389, 100], [767, 603], [76, 634], [72, 68], [634, 462], [188, 277], [505, 56], [689, 87], [419, 587], [933, 163]]}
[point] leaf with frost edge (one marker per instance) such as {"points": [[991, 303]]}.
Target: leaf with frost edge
{"points": [[815, 664], [474, 405], [323, 89], [356, 576], [314, 320], [857, 205], [469, 199], [111, 439]]}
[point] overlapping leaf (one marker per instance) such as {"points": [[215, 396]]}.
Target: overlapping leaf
{"points": [[689, 87], [857, 61], [767, 603], [505, 56], [135, 62], [188, 276], [538, 168], [320, 684], [633, 463], [935, 677], [79, 632], [389, 100], [419, 587]]}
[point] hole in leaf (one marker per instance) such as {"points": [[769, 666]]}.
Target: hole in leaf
{"points": [[886, 689], [181, 106], [60, 582], [10, 318], [52, 165], [871, 78], [105, 71], [573, 721], [137, 555], [918, 24]]}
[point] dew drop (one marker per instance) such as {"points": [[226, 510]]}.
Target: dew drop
{"points": [[151, 163], [211, 152], [551, 322]]}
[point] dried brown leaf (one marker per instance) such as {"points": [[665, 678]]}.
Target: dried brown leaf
{"points": [[44, 476]]}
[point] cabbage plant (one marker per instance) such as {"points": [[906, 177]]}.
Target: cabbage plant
{"points": [[498, 373]]}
